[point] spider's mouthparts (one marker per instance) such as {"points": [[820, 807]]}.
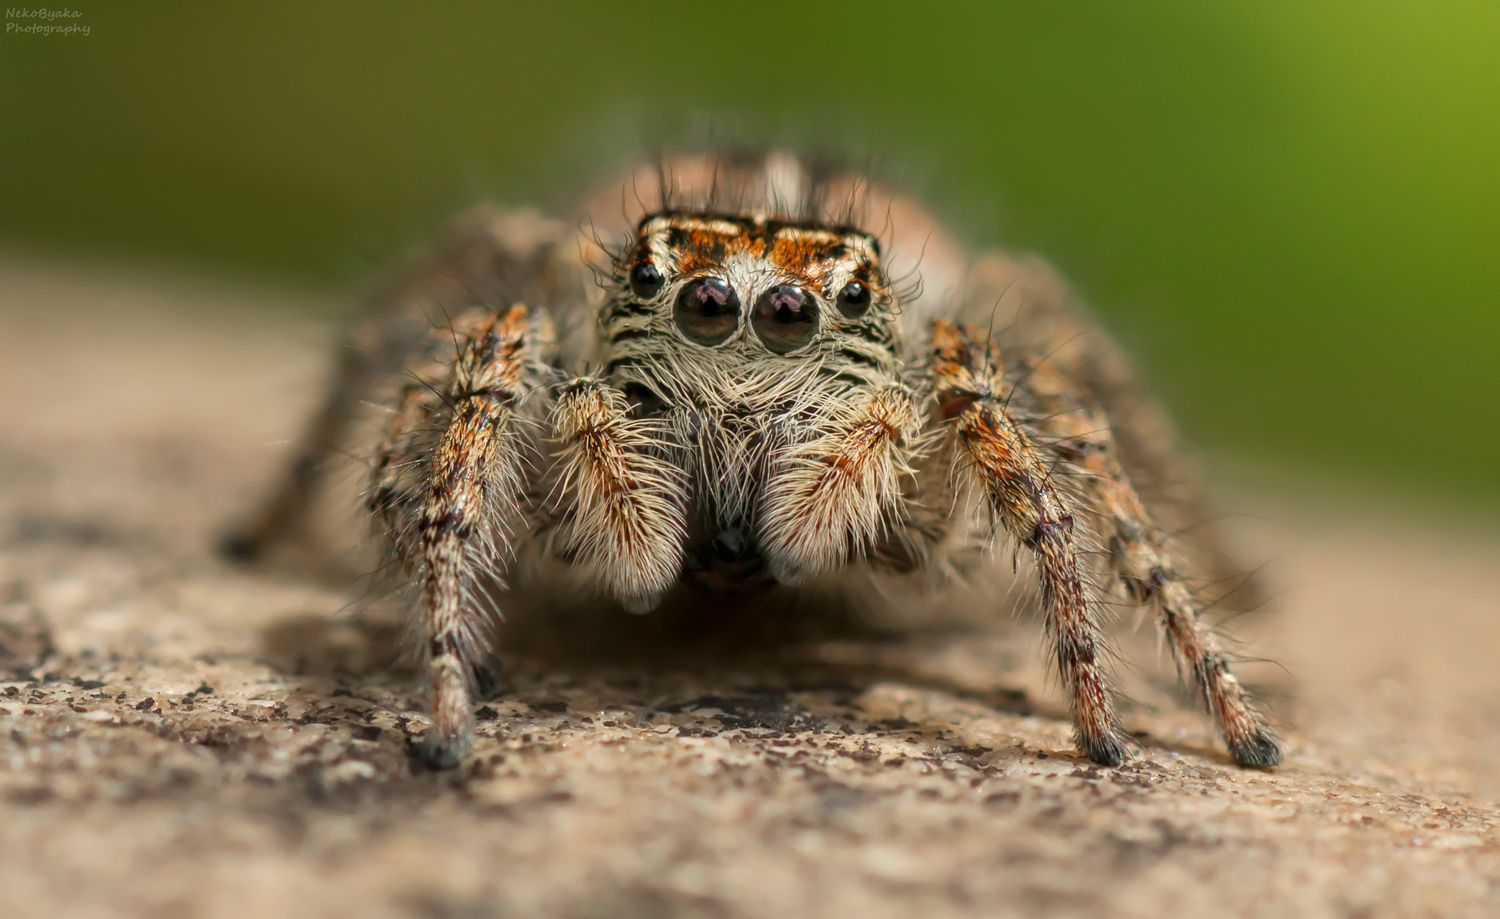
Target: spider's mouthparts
{"points": [[728, 562], [956, 403]]}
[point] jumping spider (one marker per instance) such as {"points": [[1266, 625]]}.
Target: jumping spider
{"points": [[749, 394]]}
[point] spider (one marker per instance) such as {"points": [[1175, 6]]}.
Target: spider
{"points": [[748, 394]]}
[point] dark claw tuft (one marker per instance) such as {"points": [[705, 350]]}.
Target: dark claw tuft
{"points": [[240, 547], [1108, 750], [1261, 751], [436, 752], [489, 674]]}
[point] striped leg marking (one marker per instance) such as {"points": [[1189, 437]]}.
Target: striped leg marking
{"points": [[1002, 460], [471, 492], [1144, 566]]}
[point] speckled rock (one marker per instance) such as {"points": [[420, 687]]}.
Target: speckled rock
{"points": [[180, 737]]}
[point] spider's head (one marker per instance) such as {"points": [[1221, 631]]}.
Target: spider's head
{"points": [[752, 278]]}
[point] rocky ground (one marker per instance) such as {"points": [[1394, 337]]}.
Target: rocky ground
{"points": [[181, 737]]}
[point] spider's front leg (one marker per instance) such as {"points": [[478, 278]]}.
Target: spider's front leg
{"points": [[481, 258], [1000, 458], [1041, 314], [1142, 560], [452, 526]]}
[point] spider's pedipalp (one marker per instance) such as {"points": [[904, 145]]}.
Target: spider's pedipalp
{"points": [[832, 495], [624, 498], [1143, 562], [1011, 471]]}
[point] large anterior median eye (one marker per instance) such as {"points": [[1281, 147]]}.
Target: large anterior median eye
{"points": [[708, 311], [785, 318]]}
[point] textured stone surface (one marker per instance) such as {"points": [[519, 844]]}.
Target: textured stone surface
{"points": [[181, 737]]}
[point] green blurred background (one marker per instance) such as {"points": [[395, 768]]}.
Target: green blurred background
{"points": [[1288, 210]]}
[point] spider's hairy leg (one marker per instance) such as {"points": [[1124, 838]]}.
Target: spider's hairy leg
{"points": [[833, 493], [393, 494], [482, 249], [623, 498], [390, 496], [1001, 458], [1142, 560], [471, 489], [1027, 302]]}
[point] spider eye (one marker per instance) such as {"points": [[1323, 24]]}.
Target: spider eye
{"points": [[646, 281], [708, 311], [854, 299], [785, 318]]}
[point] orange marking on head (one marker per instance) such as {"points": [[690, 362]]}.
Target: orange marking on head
{"points": [[804, 255], [700, 243]]}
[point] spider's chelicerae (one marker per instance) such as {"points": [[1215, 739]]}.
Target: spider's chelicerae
{"points": [[751, 393]]}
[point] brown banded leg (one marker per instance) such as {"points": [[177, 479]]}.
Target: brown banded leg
{"points": [[1001, 458], [623, 499], [394, 490], [1142, 560], [1030, 306], [468, 498], [392, 493], [835, 491], [485, 257]]}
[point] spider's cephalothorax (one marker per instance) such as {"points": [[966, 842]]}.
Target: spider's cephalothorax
{"points": [[755, 351], [746, 401]]}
